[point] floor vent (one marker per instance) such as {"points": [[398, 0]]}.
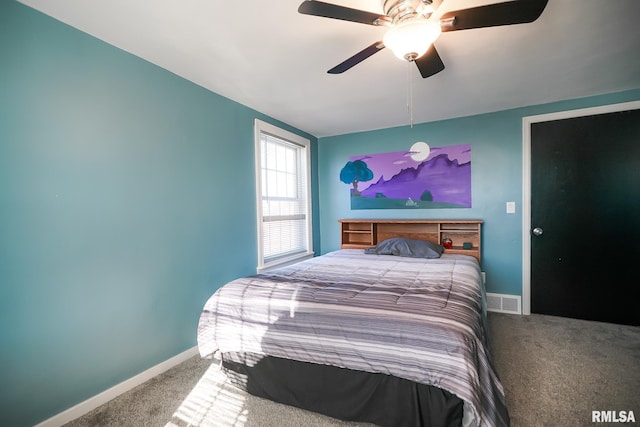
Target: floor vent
{"points": [[503, 303]]}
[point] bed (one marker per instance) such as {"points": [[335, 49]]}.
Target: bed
{"points": [[363, 335]]}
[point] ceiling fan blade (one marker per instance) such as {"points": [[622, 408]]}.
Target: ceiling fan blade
{"points": [[429, 63], [327, 10], [357, 58], [493, 15]]}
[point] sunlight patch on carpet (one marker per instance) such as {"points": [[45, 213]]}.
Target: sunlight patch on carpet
{"points": [[212, 402]]}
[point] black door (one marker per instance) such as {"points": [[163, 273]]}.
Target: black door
{"points": [[585, 217]]}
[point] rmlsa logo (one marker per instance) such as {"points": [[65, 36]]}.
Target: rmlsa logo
{"points": [[613, 417]]}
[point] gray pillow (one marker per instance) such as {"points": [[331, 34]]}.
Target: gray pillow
{"points": [[411, 248]]}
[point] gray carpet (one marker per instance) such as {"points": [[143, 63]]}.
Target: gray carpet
{"points": [[555, 371]]}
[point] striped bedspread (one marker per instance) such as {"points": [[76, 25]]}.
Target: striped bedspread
{"points": [[418, 319]]}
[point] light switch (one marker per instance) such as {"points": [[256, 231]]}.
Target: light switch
{"points": [[511, 207]]}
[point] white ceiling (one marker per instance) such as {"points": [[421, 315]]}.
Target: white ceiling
{"points": [[267, 56]]}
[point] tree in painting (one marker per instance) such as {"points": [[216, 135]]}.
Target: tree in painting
{"points": [[355, 172]]}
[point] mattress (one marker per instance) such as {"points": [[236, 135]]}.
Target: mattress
{"points": [[412, 318]]}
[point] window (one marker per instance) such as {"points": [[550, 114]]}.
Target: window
{"points": [[283, 193]]}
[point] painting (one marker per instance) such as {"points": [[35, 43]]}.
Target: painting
{"points": [[421, 177]]}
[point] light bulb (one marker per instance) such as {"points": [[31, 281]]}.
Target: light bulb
{"points": [[411, 39]]}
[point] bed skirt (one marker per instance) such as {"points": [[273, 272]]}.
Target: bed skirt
{"points": [[345, 394]]}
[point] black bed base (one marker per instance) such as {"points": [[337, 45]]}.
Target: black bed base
{"points": [[345, 394]]}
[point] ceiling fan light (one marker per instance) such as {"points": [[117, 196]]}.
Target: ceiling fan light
{"points": [[411, 39]]}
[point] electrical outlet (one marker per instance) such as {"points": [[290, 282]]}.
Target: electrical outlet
{"points": [[511, 207]]}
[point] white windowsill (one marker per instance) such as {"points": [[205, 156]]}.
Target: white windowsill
{"points": [[284, 262]]}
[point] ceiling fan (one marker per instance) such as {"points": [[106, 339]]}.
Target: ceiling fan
{"points": [[412, 31]]}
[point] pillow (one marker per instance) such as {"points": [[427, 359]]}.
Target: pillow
{"points": [[411, 248]]}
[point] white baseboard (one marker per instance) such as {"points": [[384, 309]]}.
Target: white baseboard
{"points": [[100, 399]]}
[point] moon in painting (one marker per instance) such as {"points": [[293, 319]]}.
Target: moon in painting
{"points": [[420, 151]]}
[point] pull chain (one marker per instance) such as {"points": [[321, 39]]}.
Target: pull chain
{"points": [[409, 93]]}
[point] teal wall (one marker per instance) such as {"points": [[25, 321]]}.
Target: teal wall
{"points": [[496, 175], [127, 196], [122, 209]]}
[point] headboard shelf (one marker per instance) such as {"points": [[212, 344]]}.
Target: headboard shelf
{"points": [[364, 233]]}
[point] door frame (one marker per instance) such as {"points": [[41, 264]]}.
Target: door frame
{"points": [[526, 180]]}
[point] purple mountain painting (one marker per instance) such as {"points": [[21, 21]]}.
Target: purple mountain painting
{"points": [[421, 178]]}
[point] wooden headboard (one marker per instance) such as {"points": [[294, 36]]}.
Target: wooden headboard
{"points": [[364, 233]]}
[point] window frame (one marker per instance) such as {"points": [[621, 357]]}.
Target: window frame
{"points": [[260, 128]]}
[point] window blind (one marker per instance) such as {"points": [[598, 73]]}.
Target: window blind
{"points": [[284, 200]]}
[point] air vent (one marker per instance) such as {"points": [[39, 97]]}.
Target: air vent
{"points": [[503, 303]]}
